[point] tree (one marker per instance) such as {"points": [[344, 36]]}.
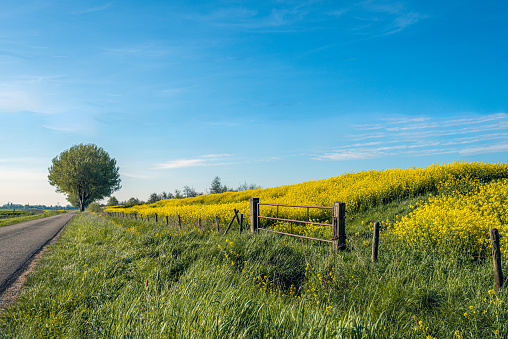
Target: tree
{"points": [[85, 172], [166, 195], [246, 187], [189, 192], [217, 187], [153, 198], [178, 194], [133, 201], [112, 201], [73, 200]]}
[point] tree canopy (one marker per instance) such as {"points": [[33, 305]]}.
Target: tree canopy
{"points": [[84, 172], [216, 186], [113, 201], [154, 197]]}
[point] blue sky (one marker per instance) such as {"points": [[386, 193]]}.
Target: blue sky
{"points": [[264, 92]]}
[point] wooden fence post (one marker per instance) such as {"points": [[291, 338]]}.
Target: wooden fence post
{"points": [[375, 242], [179, 221], [217, 223], [167, 220], [241, 223], [496, 257], [339, 226], [156, 218], [254, 212], [232, 220]]}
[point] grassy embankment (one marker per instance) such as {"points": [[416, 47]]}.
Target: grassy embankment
{"points": [[8, 218], [110, 277]]}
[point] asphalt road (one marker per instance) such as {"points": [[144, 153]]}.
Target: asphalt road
{"points": [[19, 242]]}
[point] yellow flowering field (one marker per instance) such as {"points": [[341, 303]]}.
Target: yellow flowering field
{"points": [[359, 190], [458, 220]]}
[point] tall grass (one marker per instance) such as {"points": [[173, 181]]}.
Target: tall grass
{"points": [[120, 278]]}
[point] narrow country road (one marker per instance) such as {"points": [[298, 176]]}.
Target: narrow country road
{"points": [[19, 242]]}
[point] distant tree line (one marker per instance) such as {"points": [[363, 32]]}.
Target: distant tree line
{"points": [[187, 192], [217, 187], [10, 205]]}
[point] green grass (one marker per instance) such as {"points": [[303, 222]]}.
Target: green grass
{"points": [[19, 213], [25, 216], [120, 278]]}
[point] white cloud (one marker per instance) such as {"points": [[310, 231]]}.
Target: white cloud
{"points": [[495, 148], [404, 20], [215, 156], [134, 175], [244, 18], [181, 163], [204, 160], [350, 155], [422, 136]]}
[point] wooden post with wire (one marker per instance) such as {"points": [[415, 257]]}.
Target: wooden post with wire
{"points": [[375, 242], [496, 257], [254, 212], [339, 226], [232, 220]]}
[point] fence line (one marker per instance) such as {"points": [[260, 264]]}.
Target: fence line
{"points": [[338, 240]]}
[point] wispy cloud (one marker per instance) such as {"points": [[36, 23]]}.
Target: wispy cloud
{"points": [[94, 9], [37, 78], [421, 136], [174, 91], [498, 147], [73, 121], [377, 19], [134, 175], [204, 160], [276, 18]]}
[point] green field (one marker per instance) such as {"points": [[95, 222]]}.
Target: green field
{"points": [[11, 213], [8, 217], [121, 278]]}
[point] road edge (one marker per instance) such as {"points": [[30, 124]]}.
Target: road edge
{"points": [[11, 288]]}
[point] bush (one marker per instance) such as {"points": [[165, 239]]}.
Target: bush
{"points": [[94, 207]]}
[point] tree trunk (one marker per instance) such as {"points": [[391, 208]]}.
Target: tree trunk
{"points": [[82, 202]]}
